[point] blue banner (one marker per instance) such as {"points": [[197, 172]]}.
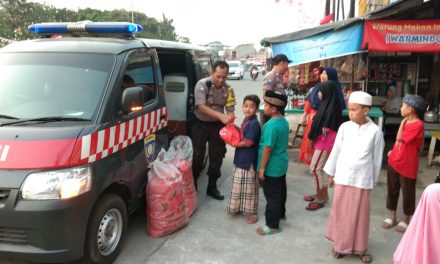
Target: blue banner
{"points": [[323, 46]]}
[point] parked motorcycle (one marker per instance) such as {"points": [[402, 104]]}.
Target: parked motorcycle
{"points": [[254, 74]]}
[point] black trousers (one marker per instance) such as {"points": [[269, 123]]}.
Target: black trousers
{"points": [[275, 192], [395, 182], [202, 133]]}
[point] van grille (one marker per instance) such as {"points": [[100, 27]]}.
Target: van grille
{"points": [[4, 194], [13, 236]]}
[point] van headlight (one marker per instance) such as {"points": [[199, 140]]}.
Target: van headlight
{"points": [[58, 184]]}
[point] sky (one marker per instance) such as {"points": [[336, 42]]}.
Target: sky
{"points": [[231, 22]]}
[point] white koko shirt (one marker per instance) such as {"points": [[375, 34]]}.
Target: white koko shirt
{"points": [[356, 157]]}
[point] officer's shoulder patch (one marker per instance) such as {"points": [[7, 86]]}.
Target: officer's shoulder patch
{"points": [[202, 89], [231, 91]]}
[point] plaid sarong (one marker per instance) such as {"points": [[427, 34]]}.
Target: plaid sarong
{"points": [[244, 193]]}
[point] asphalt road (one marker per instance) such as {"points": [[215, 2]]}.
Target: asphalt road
{"points": [[213, 236]]}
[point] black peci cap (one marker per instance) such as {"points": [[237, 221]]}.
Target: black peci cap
{"points": [[275, 98], [280, 58]]}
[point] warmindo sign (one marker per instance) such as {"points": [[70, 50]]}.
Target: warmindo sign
{"points": [[402, 35]]}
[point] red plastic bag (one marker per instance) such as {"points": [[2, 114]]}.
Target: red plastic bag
{"points": [[166, 209], [180, 153], [230, 134]]}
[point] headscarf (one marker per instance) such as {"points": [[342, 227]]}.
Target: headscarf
{"points": [[420, 242], [329, 114], [393, 89], [393, 103], [314, 98], [333, 76]]}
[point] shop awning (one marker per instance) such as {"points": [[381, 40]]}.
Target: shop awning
{"points": [[328, 42], [402, 35]]}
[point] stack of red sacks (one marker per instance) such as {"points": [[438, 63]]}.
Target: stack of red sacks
{"points": [[171, 195], [181, 153]]}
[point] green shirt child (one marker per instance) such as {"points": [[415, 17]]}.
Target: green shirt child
{"points": [[273, 161], [275, 135]]}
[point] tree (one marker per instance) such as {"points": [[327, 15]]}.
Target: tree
{"points": [[13, 19], [16, 15], [183, 39]]}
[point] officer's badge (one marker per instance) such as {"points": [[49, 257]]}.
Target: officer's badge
{"points": [[149, 147]]}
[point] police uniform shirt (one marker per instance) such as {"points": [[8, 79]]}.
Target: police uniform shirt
{"points": [[217, 99], [273, 81]]}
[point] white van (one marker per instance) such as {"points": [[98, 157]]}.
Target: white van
{"points": [[236, 70]]}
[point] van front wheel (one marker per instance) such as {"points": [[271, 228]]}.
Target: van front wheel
{"points": [[107, 228]]}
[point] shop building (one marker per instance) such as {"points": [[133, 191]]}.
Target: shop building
{"points": [[398, 44]]}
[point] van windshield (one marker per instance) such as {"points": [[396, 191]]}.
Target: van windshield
{"points": [[234, 64], [34, 85]]}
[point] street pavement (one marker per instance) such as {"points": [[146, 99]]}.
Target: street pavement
{"points": [[213, 236]]}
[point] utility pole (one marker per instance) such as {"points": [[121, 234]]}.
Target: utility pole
{"points": [[337, 10], [327, 7], [334, 10], [352, 7], [132, 17], [343, 10]]}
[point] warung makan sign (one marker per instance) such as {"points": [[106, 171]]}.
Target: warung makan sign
{"points": [[402, 35]]}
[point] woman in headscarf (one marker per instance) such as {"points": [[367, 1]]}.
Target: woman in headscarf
{"points": [[312, 105], [332, 75], [394, 102], [419, 244], [310, 108], [322, 135]]}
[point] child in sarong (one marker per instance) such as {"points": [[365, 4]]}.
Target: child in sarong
{"points": [[353, 168], [244, 193]]}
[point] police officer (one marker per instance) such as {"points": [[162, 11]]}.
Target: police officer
{"points": [[274, 79], [212, 97]]}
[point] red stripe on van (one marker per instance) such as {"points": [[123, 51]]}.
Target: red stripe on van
{"points": [[37, 154]]}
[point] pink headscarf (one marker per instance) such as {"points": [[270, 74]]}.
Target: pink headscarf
{"points": [[420, 243]]}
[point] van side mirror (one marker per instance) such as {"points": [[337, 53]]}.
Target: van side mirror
{"points": [[132, 99]]}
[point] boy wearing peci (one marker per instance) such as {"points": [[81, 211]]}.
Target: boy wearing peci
{"points": [[273, 161], [353, 167]]}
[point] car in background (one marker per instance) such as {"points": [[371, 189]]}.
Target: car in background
{"points": [[236, 70]]}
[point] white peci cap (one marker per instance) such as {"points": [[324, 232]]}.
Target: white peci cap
{"points": [[361, 98]]}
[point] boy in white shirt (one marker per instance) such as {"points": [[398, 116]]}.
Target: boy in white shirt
{"points": [[353, 168]]}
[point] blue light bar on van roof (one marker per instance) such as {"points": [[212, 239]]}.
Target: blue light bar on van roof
{"points": [[86, 27]]}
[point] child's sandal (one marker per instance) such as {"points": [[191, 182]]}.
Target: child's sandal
{"points": [[366, 258], [336, 254]]}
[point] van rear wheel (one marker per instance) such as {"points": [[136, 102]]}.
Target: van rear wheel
{"points": [[107, 228]]}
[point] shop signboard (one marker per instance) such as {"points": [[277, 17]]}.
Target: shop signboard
{"points": [[402, 35], [323, 46]]}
